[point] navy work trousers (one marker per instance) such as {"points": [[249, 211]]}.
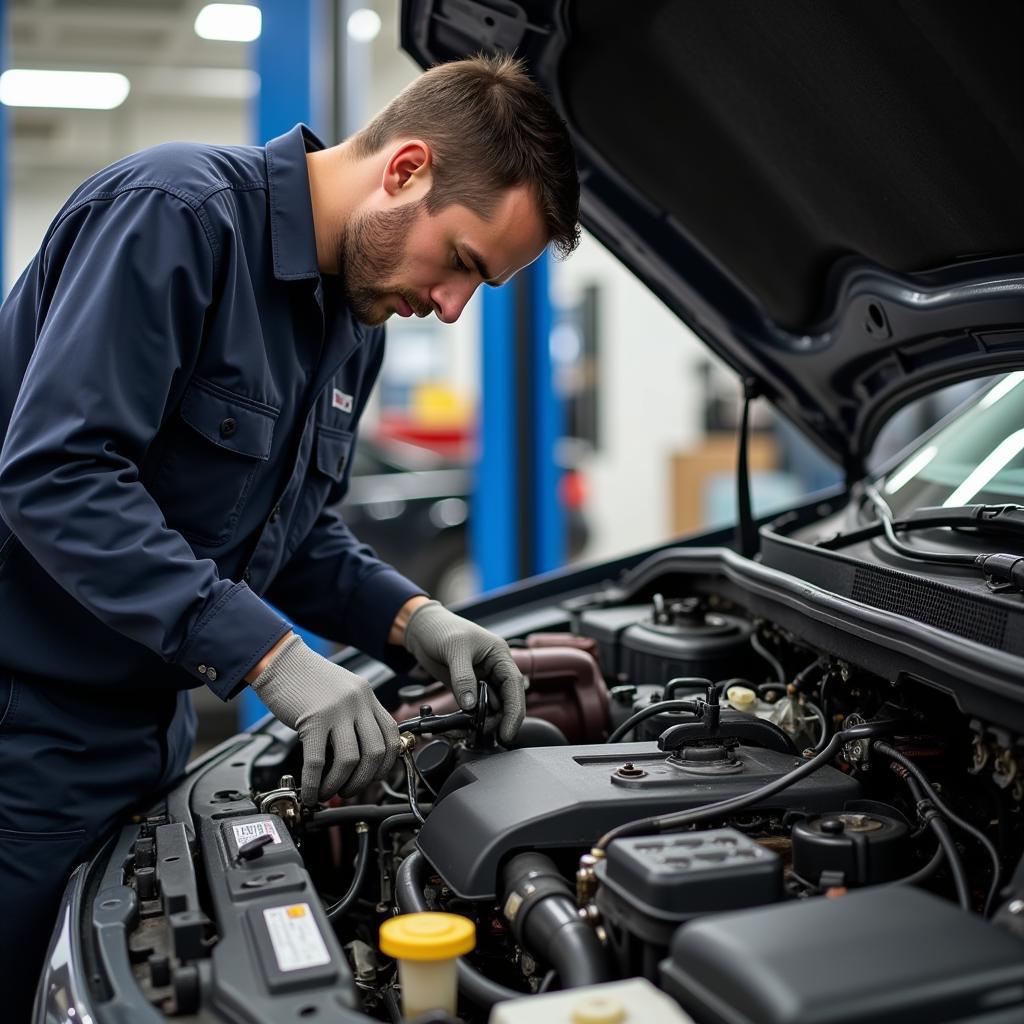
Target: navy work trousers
{"points": [[73, 761]]}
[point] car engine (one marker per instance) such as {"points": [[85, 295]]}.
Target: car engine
{"points": [[700, 801]]}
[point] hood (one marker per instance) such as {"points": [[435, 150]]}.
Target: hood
{"points": [[828, 194]]}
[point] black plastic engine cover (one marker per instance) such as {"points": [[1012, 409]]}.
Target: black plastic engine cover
{"points": [[892, 955], [567, 797]]}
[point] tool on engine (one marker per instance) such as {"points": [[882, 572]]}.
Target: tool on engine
{"points": [[475, 720]]}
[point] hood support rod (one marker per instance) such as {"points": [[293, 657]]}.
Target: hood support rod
{"points": [[746, 527]]}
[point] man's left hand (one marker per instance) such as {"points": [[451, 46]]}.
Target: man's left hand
{"points": [[459, 652]]}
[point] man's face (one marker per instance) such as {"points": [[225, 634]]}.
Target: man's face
{"points": [[404, 260]]}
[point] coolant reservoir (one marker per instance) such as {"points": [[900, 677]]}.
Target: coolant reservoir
{"points": [[743, 698], [427, 946], [635, 1001]]}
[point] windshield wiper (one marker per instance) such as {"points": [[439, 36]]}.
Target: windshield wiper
{"points": [[1003, 571], [1007, 520]]}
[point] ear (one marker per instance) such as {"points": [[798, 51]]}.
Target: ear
{"points": [[408, 168]]}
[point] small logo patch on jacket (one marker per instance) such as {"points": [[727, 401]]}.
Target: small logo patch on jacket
{"points": [[339, 400]]}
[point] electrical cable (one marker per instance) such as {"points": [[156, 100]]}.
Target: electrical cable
{"points": [[410, 785], [649, 712], [336, 910], [891, 752], [766, 655]]}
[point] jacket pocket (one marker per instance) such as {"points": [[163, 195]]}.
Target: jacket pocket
{"points": [[333, 451], [216, 444]]}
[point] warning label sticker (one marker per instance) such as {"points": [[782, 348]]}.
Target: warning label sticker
{"points": [[296, 938], [250, 830]]}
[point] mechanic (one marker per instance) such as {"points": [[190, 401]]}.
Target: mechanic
{"points": [[186, 359]]}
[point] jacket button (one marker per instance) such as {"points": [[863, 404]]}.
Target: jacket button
{"points": [[227, 427], [276, 514], [211, 673], [201, 670]]}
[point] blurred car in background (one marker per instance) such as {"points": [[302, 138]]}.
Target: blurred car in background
{"points": [[412, 506]]}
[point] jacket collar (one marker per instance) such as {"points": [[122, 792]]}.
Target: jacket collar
{"points": [[292, 237]]}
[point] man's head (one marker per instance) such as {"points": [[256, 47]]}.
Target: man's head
{"points": [[473, 174]]}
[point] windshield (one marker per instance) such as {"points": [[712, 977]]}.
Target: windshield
{"points": [[978, 458]]}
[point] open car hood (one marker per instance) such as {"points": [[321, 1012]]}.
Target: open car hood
{"points": [[827, 194]]}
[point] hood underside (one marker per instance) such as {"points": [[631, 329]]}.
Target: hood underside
{"points": [[829, 194]]}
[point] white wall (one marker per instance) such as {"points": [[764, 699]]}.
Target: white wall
{"points": [[90, 140], [649, 401]]}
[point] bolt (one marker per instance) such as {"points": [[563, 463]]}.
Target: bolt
{"points": [[630, 771], [287, 782]]}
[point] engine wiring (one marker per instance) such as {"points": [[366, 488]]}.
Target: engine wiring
{"points": [[915, 772]]}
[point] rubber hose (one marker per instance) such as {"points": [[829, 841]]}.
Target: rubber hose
{"points": [[409, 882], [546, 922], [336, 910]]}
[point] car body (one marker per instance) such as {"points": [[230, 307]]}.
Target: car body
{"points": [[826, 714]]}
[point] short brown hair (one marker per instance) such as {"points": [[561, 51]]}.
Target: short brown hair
{"points": [[491, 128]]}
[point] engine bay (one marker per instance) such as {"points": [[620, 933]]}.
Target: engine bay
{"points": [[757, 828]]}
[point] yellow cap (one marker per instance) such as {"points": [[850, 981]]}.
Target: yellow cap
{"points": [[598, 1010], [741, 697], [427, 936]]}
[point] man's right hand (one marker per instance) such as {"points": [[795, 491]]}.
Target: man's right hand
{"points": [[322, 701]]}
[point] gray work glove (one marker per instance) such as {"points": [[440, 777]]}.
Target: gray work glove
{"points": [[459, 652], [322, 701]]}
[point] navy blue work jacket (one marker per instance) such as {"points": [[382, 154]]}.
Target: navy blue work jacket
{"points": [[179, 395]]}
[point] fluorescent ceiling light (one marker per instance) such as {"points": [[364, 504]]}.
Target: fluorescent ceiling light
{"points": [[87, 90], [1003, 388], [234, 23], [910, 469], [363, 25], [989, 466]]}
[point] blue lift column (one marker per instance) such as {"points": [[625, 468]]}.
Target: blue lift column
{"points": [[3, 146], [517, 521], [283, 58]]}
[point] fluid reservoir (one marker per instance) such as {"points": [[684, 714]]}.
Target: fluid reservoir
{"points": [[635, 1001], [427, 947]]}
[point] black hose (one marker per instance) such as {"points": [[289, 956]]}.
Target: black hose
{"points": [[766, 655], [336, 910], [891, 752], [409, 882], [671, 822], [923, 873], [931, 816], [938, 825], [545, 921], [684, 683], [355, 812], [649, 712], [885, 517]]}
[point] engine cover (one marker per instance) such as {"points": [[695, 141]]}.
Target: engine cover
{"points": [[567, 797]]}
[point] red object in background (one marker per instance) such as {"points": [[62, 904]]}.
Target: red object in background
{"points": [[572, 489], [566, 689], [455, 443]]}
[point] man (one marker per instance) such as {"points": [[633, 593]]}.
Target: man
{"points": [[185, 363]]}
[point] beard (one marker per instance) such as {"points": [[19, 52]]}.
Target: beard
{"points": [[370, 250]]}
